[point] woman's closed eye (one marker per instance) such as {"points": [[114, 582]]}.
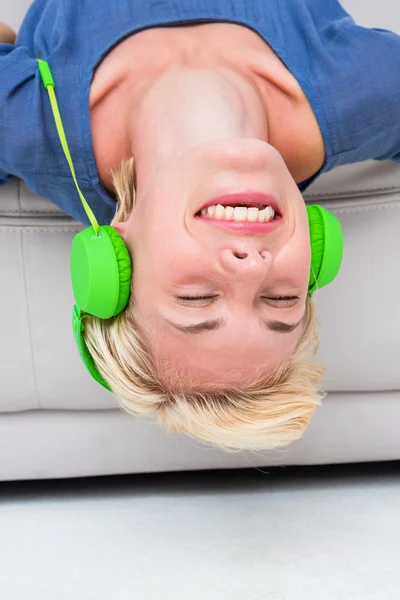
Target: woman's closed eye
{"points": [[281, 300], [193, 298], [201, 301]]}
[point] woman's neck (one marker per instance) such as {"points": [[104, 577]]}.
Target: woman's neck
{"points": [[186, 88]]}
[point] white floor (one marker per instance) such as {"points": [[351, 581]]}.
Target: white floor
{"points": [[307, 534]]}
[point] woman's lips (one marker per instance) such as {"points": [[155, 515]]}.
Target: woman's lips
{"points": [[245, 199], [245, 227]]}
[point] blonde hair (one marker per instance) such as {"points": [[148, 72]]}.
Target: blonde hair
{"points": [[269, 412]]}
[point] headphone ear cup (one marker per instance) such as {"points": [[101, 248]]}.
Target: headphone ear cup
{"points": [[326, 238], [124, 268], [101, 272]]}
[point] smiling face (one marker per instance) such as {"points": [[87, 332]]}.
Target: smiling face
{"points": [[220, 303]]}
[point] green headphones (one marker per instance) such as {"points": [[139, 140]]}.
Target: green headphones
{"points": [[101, 268]]}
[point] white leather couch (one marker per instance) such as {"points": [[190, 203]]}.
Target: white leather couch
{"points": [[56, 422]]}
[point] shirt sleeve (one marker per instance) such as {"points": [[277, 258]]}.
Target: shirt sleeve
{"points": [[391, 134], [17, 72]]}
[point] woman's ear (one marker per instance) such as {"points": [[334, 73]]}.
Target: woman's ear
{"points": [[122, 228]]}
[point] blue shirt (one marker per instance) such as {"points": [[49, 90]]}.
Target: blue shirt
{"points": [[350, 75]]}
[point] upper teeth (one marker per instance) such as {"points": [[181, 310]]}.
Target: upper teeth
{"points": [[239, 213]]}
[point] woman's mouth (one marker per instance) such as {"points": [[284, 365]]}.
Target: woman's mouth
{"points": [[242, 214], [246, 213]]}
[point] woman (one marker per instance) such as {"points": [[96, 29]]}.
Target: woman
{"points": [[230, 111]]}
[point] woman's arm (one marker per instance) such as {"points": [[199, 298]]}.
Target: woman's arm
{"points": [[7, 35]]}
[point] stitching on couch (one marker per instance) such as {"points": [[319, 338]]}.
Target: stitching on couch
{"points": [[38, 229], [354, 209], [51, 229], [340, 210], [35, 211], [307, 198], [24, 257], [370, 191]]}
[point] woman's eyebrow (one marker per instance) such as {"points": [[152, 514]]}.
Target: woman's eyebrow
{"points": [[278, 326]]}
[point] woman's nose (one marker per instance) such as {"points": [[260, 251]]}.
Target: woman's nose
{"points": [[246, 261]]}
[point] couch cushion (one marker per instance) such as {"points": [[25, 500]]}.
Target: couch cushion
{"points": [[360, 323]]}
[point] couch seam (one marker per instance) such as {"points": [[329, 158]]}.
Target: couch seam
{"points": [[28, 313], [38, 229], [62, 215], [36, 210], [354, 209], [51, 229], [382, 190]]}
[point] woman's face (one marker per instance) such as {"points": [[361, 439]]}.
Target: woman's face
{"points": [[210, 298]]}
